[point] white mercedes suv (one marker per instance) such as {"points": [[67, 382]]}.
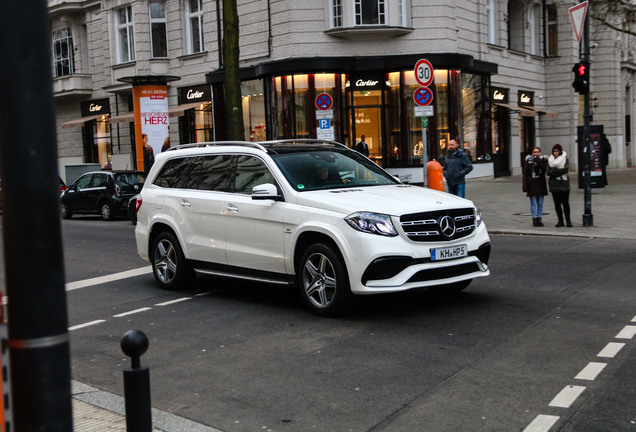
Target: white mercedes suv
{"points": [[306, 212]]}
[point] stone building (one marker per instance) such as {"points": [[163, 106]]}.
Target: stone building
{"points": [[500, 80]]}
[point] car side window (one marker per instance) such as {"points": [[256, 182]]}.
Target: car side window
{"points": [[174, 174], [211, 173], [251, 171], [83, 182], [99, 180]]}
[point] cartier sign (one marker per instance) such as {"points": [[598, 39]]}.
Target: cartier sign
{"points": [[499, 95], [526, 98], [195, 94], [95, 106]]}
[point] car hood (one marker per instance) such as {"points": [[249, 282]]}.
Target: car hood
{"points": [[394, 200]]}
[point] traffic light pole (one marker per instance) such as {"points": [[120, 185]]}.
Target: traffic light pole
{"points": [[588, 218]]}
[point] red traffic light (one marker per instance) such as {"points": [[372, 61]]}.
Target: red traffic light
{"points": [[581, 69]]}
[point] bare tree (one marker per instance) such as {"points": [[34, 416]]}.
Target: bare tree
{"points": [[232, 85], [619, 15]]}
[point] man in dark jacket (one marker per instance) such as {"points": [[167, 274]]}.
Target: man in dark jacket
{"points": [[456, 166]]}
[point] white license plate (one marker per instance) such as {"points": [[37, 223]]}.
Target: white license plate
{"points": [[451, 252]]}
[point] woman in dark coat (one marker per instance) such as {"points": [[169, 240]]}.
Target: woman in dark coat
{"points": [[558, 167], [534, 183]]}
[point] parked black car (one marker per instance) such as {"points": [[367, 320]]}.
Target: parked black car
{"points": [[106, 193]]}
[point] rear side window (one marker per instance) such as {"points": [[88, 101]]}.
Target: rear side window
{"points": [[174, 174], [212, 173]]}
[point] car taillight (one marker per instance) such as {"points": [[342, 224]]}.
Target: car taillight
{"points": [[63, 188], [139, 200], [117, 190]]}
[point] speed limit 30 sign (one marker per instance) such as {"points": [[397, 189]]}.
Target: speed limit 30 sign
{"points": [[424, 72]]}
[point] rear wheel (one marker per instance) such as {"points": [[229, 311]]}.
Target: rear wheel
{"points": [[106, 210], [323, 281], [65, 211], [169, 265]]}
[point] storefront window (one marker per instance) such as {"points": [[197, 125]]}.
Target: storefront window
{"points": [[476, 113], [415, 142], [102, 150], [254, 110], [442, 113], [301, 106]]}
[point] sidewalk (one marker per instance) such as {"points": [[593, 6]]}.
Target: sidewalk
{"points": [[505, 210]]}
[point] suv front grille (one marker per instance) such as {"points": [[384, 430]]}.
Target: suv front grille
{"points": [[440, 225]]}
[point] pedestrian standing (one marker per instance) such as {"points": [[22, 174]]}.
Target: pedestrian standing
{"points": [[456, 166], [534, 183], [362, 147], [557, 171]]}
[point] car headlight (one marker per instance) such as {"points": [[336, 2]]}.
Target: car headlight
{"points": [[477, 217], [372, 223]]}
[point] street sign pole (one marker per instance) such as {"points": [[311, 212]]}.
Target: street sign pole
{"points": [[425, 150], [588, 218]]}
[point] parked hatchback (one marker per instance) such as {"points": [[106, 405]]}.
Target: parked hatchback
{"points": [[101, 192], [308, 213]]}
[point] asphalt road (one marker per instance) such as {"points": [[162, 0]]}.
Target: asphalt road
{"points": [[514, 350]]}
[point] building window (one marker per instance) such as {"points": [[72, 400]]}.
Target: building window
{"points": [[534, 15], [491, 11], [336, 11], [370, 12], [552, 31], [158, 37], [515, 25], [63, 52], [194, 25], [125, 35]]}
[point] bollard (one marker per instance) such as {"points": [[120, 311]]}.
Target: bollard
{"points": [[435, 175], [134, 344]]}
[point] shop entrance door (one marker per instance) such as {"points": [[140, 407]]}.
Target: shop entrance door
{"points": [[367, 120]]}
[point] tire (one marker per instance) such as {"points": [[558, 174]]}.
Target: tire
{"points": [[65, 211], [323, 281], [169, 265], [132, 212], [106, 210], [451, 289]]}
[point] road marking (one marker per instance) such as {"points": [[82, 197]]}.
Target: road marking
{"points": [[567, 396], [71, 286], [541, 423], [634, 319], [131, 312], [174, 301], [591, 371], [628, 332], [79, 326], [611, 349]]}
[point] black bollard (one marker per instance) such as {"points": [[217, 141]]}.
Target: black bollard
{"points": [[134, 344]]}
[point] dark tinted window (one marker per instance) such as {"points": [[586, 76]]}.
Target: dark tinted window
{"points": [[83, 181], [211, 173], [250, 172], [99, 180], [131, 178], [174, 173]]}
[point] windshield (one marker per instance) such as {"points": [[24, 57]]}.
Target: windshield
{"points": [[317, 170]]}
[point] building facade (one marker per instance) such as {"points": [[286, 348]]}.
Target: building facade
{"points": [[499, 82]]}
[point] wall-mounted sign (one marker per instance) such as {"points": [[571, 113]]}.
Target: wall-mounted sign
{"points": [[95, 106], [499, 95], [526, 98], [366, 82], [195, 94]]}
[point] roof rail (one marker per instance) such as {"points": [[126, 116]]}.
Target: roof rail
{"points": [[219, 144], [303, 141]]}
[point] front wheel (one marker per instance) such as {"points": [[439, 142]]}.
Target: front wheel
{"points": [[169, 265], [66, 211], [323, 281]]}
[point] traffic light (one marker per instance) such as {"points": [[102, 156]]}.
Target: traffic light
{"points": [[581, 81]]}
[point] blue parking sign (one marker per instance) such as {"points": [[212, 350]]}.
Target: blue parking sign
{"points": [[325, 123]]}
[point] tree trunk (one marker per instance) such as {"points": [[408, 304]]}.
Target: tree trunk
{"points": [[232, 84]]}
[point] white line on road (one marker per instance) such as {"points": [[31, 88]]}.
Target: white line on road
{"points": [[174, 301], [611, 349], [109, 278], [634, 319], [541, 423], [567, 396], [628, 332], [79, 326], [132, 312], [591, 371]]}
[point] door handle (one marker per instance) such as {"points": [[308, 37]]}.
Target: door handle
{"points": [[186, 204], [232, 208]]}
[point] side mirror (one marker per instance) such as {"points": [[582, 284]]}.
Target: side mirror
{"points": [[266, 191]]}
